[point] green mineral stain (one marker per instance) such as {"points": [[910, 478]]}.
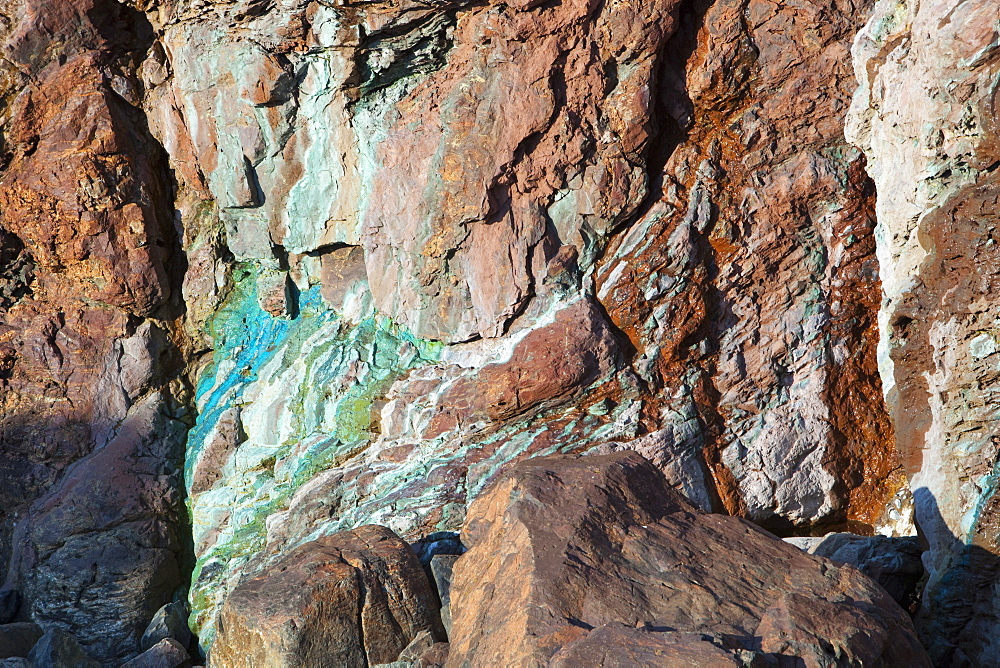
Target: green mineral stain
{"points": [[338, 367]]}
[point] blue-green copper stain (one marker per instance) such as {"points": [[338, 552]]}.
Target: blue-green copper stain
{"points": [[341, 371]]}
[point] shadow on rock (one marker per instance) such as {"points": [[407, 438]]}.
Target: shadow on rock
{"points": [[960, 608]]}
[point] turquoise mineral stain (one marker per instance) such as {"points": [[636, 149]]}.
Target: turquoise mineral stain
{"points": [[340, 367]]}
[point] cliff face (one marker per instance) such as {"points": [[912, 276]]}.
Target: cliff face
{"points": [[304, 266], [926, 115], [92, 426]]}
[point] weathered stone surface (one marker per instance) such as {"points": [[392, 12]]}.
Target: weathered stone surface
{"points": [[351, 599], [167, 653], [89, 265], [619, 645], [562, 548], [103, 550], [170, 621], [303, 126], [748, 288], [59, 648], [442, 567], [395, 246], [18, 638], [926, 115], [406, 282]]}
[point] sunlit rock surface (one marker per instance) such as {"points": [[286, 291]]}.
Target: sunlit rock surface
{"points": [[276, 269], [417, 237], [93, 404]]}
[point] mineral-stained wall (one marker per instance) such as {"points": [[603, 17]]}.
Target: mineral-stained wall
{"points": [[297, 266], [926, 113]]}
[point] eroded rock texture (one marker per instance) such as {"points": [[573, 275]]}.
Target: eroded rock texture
{"points": [[91, 497], [356, 598], [423, 242], [349, 260], [926, 114]]}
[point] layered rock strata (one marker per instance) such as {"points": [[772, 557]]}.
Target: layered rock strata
{"points": [[401, 281], [385, 249], [926, 115]]}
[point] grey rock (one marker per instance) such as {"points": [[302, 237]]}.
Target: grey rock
{"points": [[10, 600], [18, 639], [170, 621], [102, 552], [441, 542], [894, 563], [804, 543], [59, 649], [167, 653], [15, 662], [441, 566]]}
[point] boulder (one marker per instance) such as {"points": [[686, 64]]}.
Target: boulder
{"points": [[598, 561], [170, 621], [17, 639], [167, 653], [355, 598], [59, 649]]}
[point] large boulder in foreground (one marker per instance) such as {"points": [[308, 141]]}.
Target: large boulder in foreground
{"points": [[573, 561], [355, 598]]}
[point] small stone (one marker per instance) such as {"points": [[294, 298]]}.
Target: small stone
{"points": [[17, 639], [168, 653], [59, 649], [170, 621]]}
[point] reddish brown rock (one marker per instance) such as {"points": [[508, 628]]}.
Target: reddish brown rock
{"points": [[562, 549], [351, 599], [548, 367], [90, 435], [750, 287]]}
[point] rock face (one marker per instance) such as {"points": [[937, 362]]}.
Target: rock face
{"points": [[926, 115], [356, 598], [405, 282], [575, 558], [91, 413], [276, 269]]}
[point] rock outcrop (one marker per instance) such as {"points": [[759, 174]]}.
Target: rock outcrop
{"points": [[272, 270], [571, 559], [91, 405], [406, 282], [926, 114]]}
